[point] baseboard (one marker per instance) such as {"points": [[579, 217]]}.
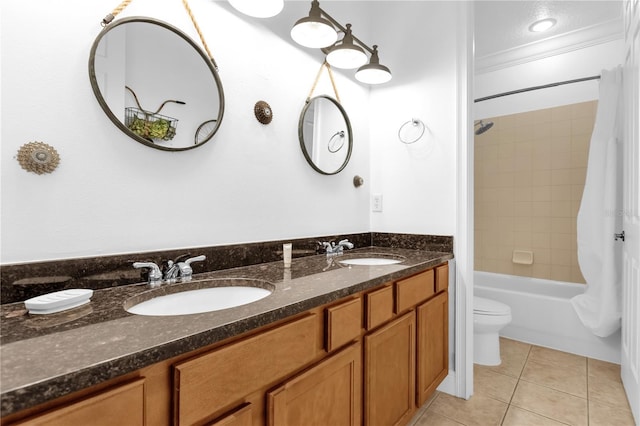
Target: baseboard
{"points": [[448, 385]]}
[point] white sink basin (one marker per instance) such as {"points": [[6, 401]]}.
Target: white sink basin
{"points": [[370, 261], [199, 300]]}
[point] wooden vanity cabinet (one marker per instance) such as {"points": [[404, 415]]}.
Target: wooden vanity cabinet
{"points": [[371, 358]]}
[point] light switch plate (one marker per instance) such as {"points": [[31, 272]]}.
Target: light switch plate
{"points": [[376, 202]]}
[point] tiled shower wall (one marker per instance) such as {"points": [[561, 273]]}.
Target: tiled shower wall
{"points": [[530, 171]]}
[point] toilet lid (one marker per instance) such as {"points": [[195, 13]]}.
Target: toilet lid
{"points": [[489, 307]]}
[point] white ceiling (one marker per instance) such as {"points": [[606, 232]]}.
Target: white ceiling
{"points": [[502, 35]]}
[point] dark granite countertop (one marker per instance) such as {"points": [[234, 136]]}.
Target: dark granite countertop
{"points": [[45, 357]]}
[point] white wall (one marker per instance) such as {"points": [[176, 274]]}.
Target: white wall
{"points": [[113, 195], [581, 63], [417, 181]]}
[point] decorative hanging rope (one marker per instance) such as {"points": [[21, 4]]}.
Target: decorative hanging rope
{"points": [[107, 20], [333, 83], [197, 27]]}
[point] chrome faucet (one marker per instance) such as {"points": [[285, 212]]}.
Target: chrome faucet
{"points": [[333, 249], [155, 274], [173, 271]]}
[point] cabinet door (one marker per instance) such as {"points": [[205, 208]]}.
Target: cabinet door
{"points": [[433, 345], [122, 405], [328, 394], [390, 373]]}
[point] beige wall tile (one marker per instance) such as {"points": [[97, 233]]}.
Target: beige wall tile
{"points": [[560, 176], [561, 257], [583, 109], [541, 177], [561, 208], [560, 273], [541, 193], [542, 271], [523, 270], [540, 223], [561, 160], [532, 174], [582, 126], [523, 223], [561, 129], [561, 113], [542, 256]]}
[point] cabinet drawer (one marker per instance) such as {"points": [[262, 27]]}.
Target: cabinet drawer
{"points": [[122, 405], [344, 323], [442, 278], [415, 289], [212, 382], [379, 307], [242, 416]]}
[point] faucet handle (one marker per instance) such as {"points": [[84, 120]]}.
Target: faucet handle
{"points": [[155, 274], [185, 267], [195, 259]]}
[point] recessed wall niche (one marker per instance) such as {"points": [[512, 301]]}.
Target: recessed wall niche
{"points": [[530, 170]]}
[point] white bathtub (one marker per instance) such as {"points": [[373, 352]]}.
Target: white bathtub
{"points": [[542, 314]]}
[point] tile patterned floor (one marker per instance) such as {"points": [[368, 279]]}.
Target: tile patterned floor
{"points": [[535, 386]]}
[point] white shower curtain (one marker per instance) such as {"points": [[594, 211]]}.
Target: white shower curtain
{"points": [[599, 307]]}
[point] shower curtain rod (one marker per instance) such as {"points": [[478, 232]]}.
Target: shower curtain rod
{"points": [[528, 89]]}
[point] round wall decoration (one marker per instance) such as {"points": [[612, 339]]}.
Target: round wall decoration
{"points": [[38, 157], [263, 112]]}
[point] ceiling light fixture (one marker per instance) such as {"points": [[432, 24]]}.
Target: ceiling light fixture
{"points": [[314, 30], [373, 72], [318, 30], [346, 54], [542, 25], [258, 8]]}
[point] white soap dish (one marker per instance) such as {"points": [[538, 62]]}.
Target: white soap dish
{"points": [[58, 301]]}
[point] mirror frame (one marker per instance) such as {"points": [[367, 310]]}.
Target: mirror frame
{"points": [[96, 90], [301, 134]]}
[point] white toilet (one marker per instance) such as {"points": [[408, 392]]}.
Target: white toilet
{"points": [[489, 317]]}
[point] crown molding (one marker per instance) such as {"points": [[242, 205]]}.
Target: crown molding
{"points": [[563, 43]]}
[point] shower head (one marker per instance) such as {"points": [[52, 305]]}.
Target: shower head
{"points": [[483, 127]]}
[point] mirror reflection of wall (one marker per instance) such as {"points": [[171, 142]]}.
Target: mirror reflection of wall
{"points": [[325, 135], [153, 60]]}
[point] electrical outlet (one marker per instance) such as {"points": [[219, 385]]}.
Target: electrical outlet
{"points": [[376, 202]]}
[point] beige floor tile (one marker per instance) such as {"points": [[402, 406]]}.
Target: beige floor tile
{"points": [[479, 410], [605, 415], [514, 355], [429, 418], [519, 417], [557, 358], [609, 392], [494, 385], [603, 370], [550, 403], [570, 379]]}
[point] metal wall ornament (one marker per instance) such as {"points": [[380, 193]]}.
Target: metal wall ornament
{"points": [[38, 157], [263, 112]]}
